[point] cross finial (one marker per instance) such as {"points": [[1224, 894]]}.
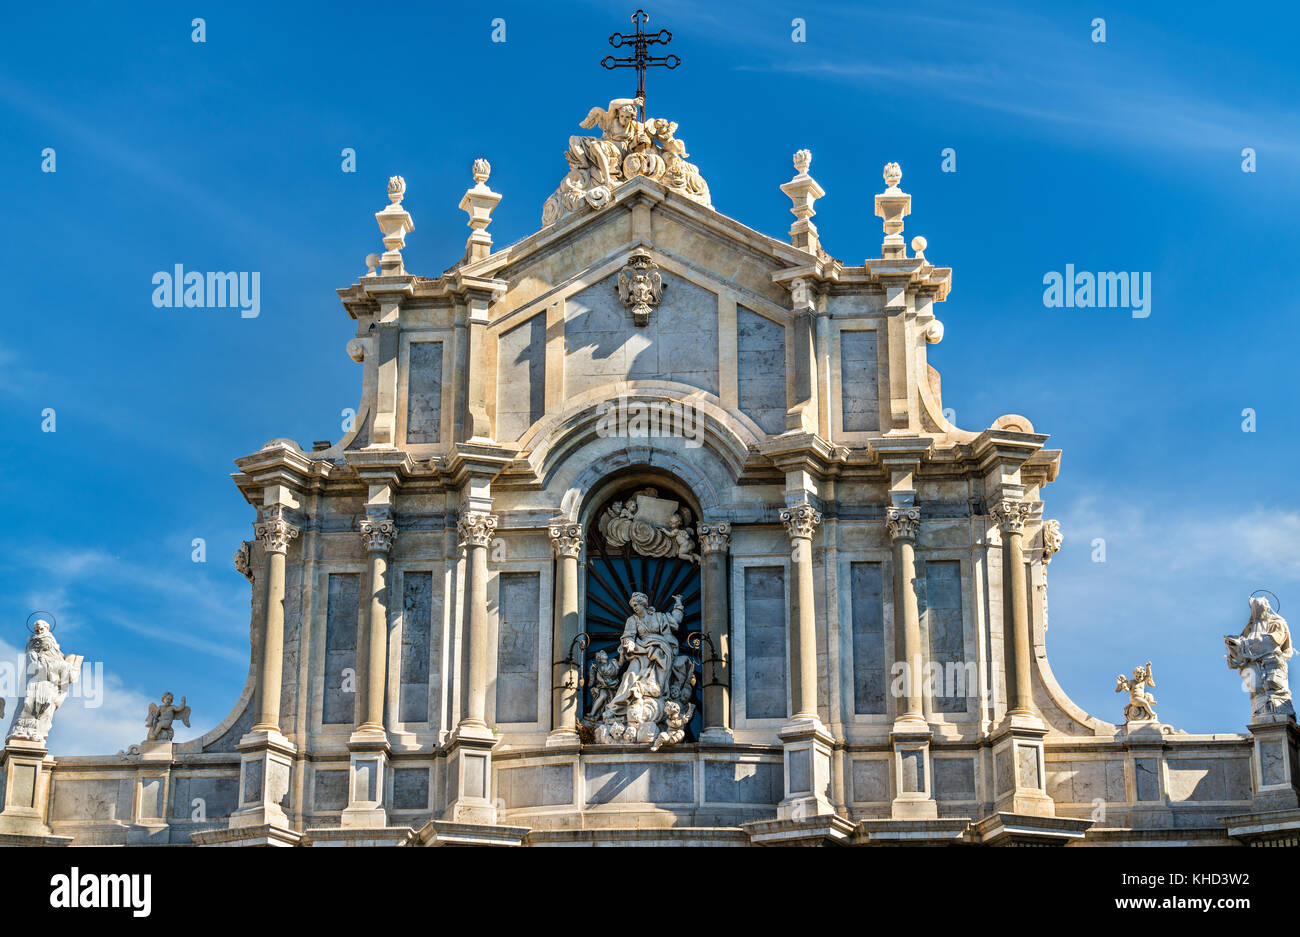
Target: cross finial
{"points": [[640, 59]]}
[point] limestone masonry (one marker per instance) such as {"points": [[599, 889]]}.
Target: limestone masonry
{"points": [[651, 529]]}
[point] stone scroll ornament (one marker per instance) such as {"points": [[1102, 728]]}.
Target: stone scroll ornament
{"points": [[650, 525], [1260, 654], [50, 675], [644, 694], [625, 149], [1141, 704]]}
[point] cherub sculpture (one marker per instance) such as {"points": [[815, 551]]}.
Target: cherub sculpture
{"points": [[1260, 654], [675, 721], [159, 721], [1141, 704]]}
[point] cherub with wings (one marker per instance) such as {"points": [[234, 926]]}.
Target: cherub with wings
{"points": [[160, 718], [1141, 704]]}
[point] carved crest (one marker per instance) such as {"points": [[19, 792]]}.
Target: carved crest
{"points": [[640, 287]]}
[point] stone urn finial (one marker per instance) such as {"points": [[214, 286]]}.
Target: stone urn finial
{"points": [[482, 170], [396, 189], [893, 174], [802, 160]]}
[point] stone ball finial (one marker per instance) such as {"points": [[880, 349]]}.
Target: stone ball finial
{"points": [[919, 244], [893, 174], [482, 170], [802, 160], [396, 189]]}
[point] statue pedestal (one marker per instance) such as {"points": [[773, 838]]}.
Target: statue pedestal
{"points": [[26, 766], [1274, 762]]}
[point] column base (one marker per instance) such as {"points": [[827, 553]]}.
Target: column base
{"points": [[563, 738], [717, 735], [469, 776], [1019, 771], [367, 779], [913, 770], [264, 774], [806, 745]]}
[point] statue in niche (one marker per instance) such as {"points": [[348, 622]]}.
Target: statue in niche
{"points": [[650, 525], [50, 675], [1141, 704], [651, 700], [160, 718], [1260, 654], [603, 676]]}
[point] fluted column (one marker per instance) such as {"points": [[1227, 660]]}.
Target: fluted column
{"points": [[275, 532], [903, 522], [714, 542], [566, 541], [378, 532], [800, 521], [1011, 515], [476, 530]]}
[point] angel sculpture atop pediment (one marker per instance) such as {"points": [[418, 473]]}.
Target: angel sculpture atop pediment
{"points": [[626, 148], [160, 718], [1141, 704]]}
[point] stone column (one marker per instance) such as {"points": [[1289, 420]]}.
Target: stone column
{"points": [[266, 756], [368, 762], [903, 522], [1011, 515], [469, 761], [378, 532], [714, 542], [805, 742], [476, 529], [1018, 757], [800, 520], [275, 532], [911, 735], [566, 541]]}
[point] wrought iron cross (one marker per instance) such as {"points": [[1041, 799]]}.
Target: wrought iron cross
{"points": [[640, 59]]}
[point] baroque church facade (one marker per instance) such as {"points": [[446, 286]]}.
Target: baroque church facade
{"points": [[652, 529]]}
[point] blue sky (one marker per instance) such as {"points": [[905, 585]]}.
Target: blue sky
{"points": [[225, 155]]}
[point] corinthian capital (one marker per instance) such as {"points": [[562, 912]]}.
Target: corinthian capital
{"points": [[902, 522], [1012, 515], [800, 519], [476, 528], [566, 539], [714, 538], [379, 532], [273, 530]]}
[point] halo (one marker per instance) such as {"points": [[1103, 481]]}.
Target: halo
{"points": [[37, 616], [1277, 605]]}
